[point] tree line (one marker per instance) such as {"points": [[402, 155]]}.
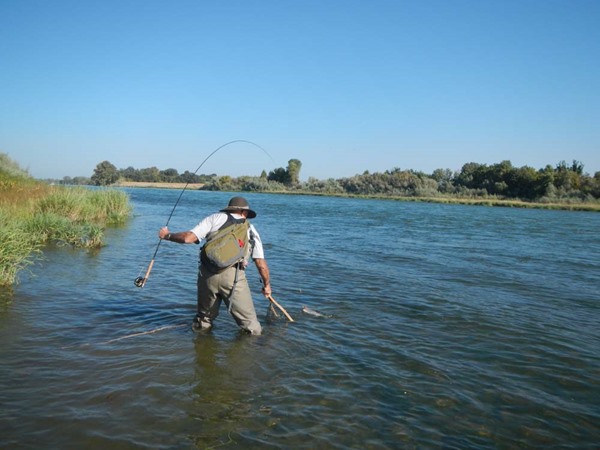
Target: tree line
{"points": [[107, 173], [501, 180], [562, 182]]}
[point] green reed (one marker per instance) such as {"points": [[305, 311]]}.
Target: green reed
{"points": [[106, 206], [17, 247], [59, 230], [33, 215]]}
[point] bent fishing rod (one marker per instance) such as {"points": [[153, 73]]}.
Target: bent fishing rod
{"points": [[141, 281]]}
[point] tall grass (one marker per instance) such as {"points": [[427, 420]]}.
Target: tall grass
{"points": [[11, 168], [106, 206], [34, 214], [17, 247]]}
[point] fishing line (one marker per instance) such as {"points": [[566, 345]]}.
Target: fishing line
{"points": [[128, 336], [141, 281]]}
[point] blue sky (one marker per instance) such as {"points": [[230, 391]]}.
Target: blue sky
{"points": [[343, 86]]}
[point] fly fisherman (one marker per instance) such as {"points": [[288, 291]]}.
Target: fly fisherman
{"points": [[221, 274]]}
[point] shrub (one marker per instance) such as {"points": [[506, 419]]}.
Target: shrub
{"points": [[18, 248], [33, 214]]}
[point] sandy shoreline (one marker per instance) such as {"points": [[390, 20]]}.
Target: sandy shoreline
{"points": [[448, 200], [144, 184]]}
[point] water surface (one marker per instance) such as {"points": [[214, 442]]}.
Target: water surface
{"points": [[445, 326]]}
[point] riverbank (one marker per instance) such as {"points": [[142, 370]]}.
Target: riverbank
{"points": [[496, 202], [592, 207], [34, 214], [144, 184]]}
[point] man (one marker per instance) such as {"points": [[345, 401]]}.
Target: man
{"points": [[229, 284]]}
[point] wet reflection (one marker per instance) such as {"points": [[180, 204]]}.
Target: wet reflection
{"points": [[228, 386]]}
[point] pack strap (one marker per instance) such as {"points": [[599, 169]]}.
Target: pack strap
{"points": [[235, 280]]}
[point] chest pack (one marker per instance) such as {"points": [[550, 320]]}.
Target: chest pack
{"points": [[226, 246]]}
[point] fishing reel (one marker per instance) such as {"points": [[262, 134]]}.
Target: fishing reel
{"points": [[139, 282]]}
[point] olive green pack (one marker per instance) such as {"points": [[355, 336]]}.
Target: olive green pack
{"points": [[226, 246]]}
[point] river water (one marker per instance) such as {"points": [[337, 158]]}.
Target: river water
{"points": [[443, 327]]}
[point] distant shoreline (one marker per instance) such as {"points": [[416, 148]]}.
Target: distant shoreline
{"points": [[441, 200], [148, 184]]}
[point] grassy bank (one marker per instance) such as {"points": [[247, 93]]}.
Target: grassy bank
{"points": [[575, 206], [491, 201], [34, 214], [153, 185], [570, 205]]}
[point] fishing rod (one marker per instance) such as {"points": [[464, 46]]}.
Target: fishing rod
{"points": [[141, 281]]}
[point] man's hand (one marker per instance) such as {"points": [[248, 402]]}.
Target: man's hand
{"points": [[266, 290], [163, 232]]}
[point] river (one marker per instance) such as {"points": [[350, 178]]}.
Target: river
{"points": [[442, 327]]}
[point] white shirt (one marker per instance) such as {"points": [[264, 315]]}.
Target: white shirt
{"points": [[215, 221]]}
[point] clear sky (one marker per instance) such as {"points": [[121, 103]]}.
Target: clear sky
{"points": [[342, 85]]}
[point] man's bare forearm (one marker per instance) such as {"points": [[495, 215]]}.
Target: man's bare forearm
{"points": [[265, 275]]}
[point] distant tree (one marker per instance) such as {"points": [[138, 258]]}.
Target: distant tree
{"points": [[442, 175], [595, 185], [279, 175], [294, 166], [568, 178], [130, 174], [524, 182], [105, 173], [207, 178], [80, 181], [189, 177], [468, 174], [444, 178], [577, 167], [225, 180], [150, 175], [169, 175], [330, 186]]}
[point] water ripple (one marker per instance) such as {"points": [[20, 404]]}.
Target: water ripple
{"points": [[443, 327]]}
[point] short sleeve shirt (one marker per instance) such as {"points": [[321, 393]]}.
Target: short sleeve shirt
{"points": [[215, 221]]}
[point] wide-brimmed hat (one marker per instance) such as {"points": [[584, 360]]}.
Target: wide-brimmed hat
{"points": [[237, 203]]}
